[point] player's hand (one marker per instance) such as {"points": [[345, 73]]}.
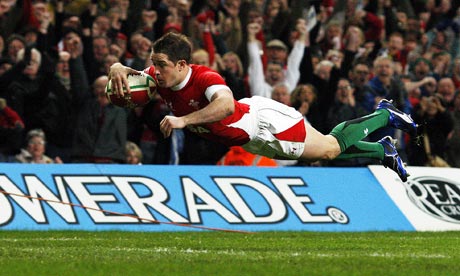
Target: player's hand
{"points": [[169, 123], [118, 75]]}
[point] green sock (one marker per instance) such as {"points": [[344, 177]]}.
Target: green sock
{"points": [[363, 149], [350, 132]]}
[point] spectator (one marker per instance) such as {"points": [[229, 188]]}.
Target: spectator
{"points": [[231, 68], [441, 64], [422, 75], [237, 156], [42, 27], [12, 17], [369, 22], [133, 153], [446, 89], [26, 84], [2, 45], [332, 37], [395, 49], [231, 27], [277, 20], [456, 73], [141, 56], [281, 93], [5, 65], [120, 48], [11, 132], [101, 129], [201, 57], [34, 152], [144, 131], [14, 43], [96, 49], [437, 123], [453, 139], [385, 85], [359, 76], [345, 108], [108, 61], [304, 99], [261, 84], [57, 115]]}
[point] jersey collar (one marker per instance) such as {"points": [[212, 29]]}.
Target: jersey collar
{"points": [[184, 82]]}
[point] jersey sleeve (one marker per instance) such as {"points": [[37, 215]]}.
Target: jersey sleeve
{"points": [[213, 83]]}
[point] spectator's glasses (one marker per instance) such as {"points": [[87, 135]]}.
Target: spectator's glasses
{"points": [[36, 143], [345, 87]]}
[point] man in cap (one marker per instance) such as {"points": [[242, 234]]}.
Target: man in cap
{"points": [[280, 68]]}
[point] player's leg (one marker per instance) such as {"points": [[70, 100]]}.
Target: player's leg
{"points": [[348, 136], [319, 146], [326, 147], [383, 150], [350, 132]]}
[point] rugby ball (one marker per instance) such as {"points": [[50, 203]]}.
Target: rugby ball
{"points": [[143, 88]]}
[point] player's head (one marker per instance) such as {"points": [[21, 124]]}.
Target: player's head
{"points": [[171, 55], [176, 46]]}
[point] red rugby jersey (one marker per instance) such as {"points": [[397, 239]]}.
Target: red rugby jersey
{"points": [[192, 98]]}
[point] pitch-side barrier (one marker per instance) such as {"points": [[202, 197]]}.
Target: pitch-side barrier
{"points": [[235, 199]]}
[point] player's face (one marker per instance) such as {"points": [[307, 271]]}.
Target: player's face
{"points": [[168, 73]]}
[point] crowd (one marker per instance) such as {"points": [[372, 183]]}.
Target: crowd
{"points": [[332, 60]]}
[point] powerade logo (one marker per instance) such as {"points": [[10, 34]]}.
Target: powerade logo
{"points": [[436, 196], [236, 200]]}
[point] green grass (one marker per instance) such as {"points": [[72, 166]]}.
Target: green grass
{"points": [[216, 253]]}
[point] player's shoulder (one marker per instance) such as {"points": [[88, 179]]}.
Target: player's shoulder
{"points": [[203, 73], [201, 69]]}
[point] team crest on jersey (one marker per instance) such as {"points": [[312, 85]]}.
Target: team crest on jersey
{"points": [[170, 105], [194, 104]]}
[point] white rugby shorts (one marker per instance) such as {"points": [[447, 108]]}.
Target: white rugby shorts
{"points": [[275, 130]]}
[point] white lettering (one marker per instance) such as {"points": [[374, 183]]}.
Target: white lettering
{"points": [[433, 190], [193, 191], [451, 210], [6, 213], [156, 201], [32, 206], [452, 195], [91, 200], [422, 200], [38, 189], [297, 202], [276, 205]]}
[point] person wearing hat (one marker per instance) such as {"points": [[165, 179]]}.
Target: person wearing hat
{"points": [[261, 83], [277, 51]]}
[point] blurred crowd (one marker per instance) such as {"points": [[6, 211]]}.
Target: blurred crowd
{"points": [[333, 60]]}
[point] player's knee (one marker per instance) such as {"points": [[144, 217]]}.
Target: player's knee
{"points": [[330, 155], [332, 151]]}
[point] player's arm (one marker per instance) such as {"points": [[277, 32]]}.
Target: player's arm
{"points": [[118, 75], [220, 107]]}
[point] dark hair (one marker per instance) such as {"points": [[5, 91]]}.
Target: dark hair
{"points": [[175, 45], [360, 62], [15, 37]]}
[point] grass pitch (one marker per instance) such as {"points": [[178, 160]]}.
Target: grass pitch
{"points": [[216, 253]]}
